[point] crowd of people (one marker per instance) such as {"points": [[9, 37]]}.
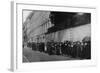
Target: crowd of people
{"points": [[76, 49]]}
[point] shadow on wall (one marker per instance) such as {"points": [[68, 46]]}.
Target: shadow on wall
{"points": [[71, 34]]}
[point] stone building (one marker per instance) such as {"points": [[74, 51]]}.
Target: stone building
{"points": [[44, 26]]}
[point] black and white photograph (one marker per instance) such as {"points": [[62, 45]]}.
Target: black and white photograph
{"points": [[52, 36], [55, 36]]}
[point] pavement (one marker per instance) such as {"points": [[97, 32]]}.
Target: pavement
{"points": [[36, 56]]}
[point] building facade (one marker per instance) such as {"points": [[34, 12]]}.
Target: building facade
{"points": [[42, 26]]}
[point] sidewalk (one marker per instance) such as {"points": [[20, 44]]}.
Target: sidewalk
{"points": [[36, 56]]}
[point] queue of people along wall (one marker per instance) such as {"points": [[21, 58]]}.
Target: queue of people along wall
{"points": [[58, 33]]}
